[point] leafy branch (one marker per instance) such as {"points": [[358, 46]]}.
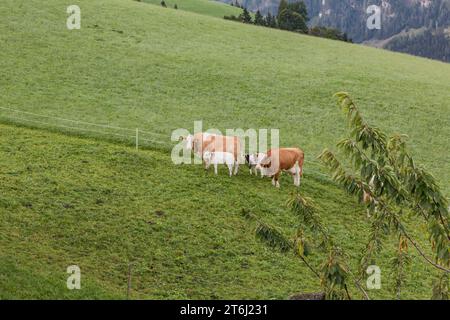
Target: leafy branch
{"points": [[385, 177], [334, 272]]}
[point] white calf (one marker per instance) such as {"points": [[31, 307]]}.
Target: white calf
{"points": [[217, 158], [254, 160]]}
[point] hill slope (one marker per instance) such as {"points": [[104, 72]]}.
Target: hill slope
{"points": [[164, 69], [397, 17], [66, 200], [206, 7], [94, 203]]}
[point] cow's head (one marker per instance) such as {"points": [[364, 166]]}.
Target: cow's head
{"points": [[189, 140], [247, 159], [266, 162], [207, 156]]}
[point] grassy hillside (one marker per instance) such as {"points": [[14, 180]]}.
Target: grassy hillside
{"points": [[206, 7], [160, 69], [66, 200]]}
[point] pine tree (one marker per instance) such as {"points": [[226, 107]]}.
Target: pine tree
{"points": [[271, 21], [292, 21], [259, 19], [245, 16], [293, 16], [268, 19], [300, 8], [281, 7]]}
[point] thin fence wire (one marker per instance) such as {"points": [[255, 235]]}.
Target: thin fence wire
{"points": [[142, 138], [68, 127], [65, 119]]}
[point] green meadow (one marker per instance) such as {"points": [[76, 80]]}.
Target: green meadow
{"points": [[68, 200], [91, 200]]}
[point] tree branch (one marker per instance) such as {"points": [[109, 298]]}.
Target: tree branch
{"points": [[444, 225], [359, 286], [309, 266], [438, 266]]}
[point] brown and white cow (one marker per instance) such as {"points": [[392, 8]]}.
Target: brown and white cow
{"points": [[289, 160], [203, 141]]}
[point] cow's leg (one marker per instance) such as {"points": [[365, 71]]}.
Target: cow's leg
{"points": [[215, 168], [275, 179], [236, 168], [297, 175], [230, 169], [293, 175], [300, 174], [296, 179]]}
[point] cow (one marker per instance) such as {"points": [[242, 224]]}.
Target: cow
{"points": [[217, 158], [253, 160], [289, 160], [203, 141]]}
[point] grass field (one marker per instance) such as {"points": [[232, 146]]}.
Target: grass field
{"points": [[160, 69], [205, 7], [70, 200], [67, 200]]}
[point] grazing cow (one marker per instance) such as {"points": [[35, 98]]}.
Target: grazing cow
{"points": [[217, 158], [253, 160], [289, 160], [202, 141], [197, 142]]}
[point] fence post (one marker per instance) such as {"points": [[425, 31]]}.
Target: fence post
{"points": [[137, 139]]}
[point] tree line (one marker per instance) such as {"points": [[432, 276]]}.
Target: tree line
{"points": [[292, 17]]}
